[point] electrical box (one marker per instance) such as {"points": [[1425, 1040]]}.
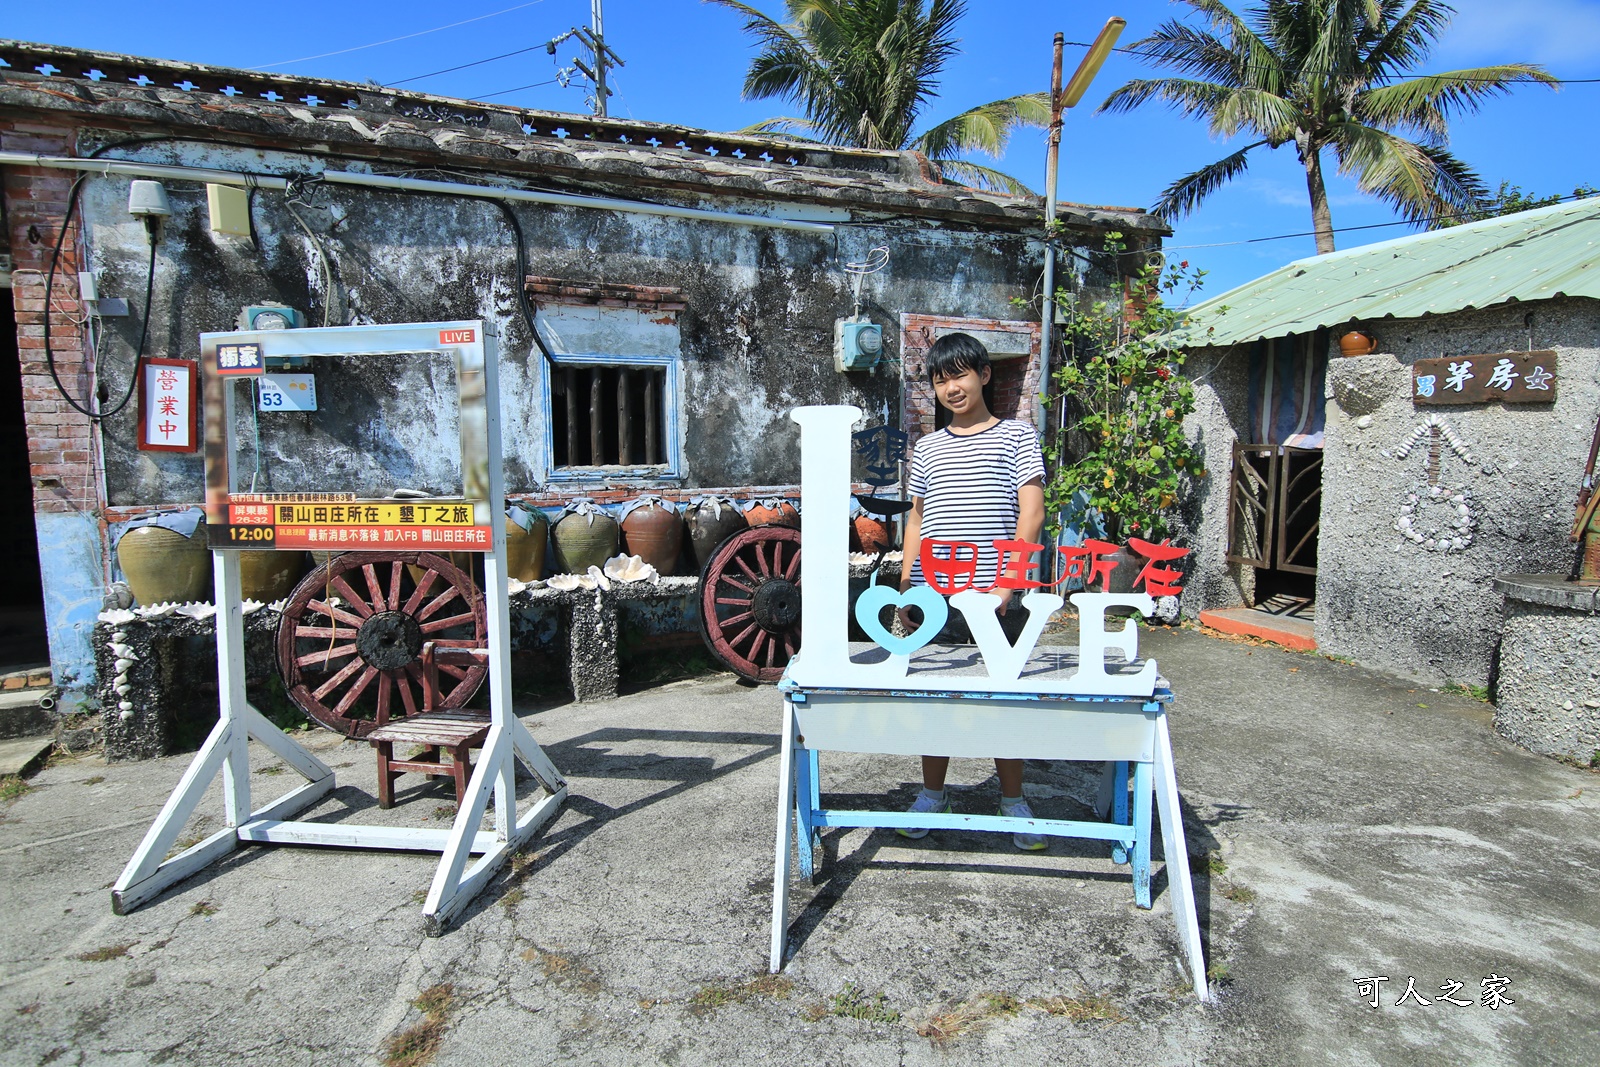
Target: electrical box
{"points": [[275, 317], [857, 344], [230, 209]]}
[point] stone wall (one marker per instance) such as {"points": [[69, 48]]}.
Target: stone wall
{"points": [[1221, 379], [1548, 694]]}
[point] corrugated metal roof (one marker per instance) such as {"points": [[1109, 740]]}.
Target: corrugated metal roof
{"points": [[1531, 255]]}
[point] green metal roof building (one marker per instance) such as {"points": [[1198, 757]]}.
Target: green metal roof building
{"points": [[1531, 255]]}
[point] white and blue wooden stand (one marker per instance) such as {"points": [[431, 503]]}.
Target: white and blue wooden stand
{"points": [[227, 749], [897, 697]]}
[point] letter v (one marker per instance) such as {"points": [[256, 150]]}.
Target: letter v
{"points": [[1003, 660]]}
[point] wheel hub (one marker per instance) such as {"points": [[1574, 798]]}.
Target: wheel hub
{"points": [[776, 605], [389, 640]]}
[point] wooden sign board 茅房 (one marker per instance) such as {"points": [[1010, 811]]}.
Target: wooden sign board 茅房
{"points": [[1512, 377]]}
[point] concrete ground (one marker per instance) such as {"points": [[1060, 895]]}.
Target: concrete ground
{"points": [[1357, 826]]}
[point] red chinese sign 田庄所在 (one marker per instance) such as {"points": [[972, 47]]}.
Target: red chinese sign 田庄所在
{"points": [[1093, 561]]}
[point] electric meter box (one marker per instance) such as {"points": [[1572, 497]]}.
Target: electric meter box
{"points": [[254, 317], [857, 344]]}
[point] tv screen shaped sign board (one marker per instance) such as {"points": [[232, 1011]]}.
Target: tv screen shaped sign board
{"points": [[332, 517]]}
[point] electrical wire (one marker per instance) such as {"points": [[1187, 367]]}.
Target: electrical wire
{"points": [[521, 281], [1316, 70], [392, 40], [518, 89], [1368, 226]]}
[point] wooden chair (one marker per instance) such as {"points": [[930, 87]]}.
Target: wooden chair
{"points": [[440, 732]]}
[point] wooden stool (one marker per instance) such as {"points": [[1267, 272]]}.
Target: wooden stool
{"points": [[458, 732]]}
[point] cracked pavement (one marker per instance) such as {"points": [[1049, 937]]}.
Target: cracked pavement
{"points": [[1357, 825]]}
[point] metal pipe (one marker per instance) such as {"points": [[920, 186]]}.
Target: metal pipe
{"points": [[415, 185]]}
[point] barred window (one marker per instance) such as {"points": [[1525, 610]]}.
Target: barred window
{"points": [[605, 416]]}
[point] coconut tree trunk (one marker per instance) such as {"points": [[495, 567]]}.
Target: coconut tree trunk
{"points": [[1321, 219]]}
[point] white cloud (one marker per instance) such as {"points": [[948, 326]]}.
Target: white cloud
{"points": [[1561, 34]]}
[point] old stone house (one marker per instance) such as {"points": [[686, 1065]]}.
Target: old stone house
{"points": [[711, 267], [1364, 504]]}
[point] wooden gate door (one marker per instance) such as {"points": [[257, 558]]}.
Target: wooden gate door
{"points": [[1275, 507]]}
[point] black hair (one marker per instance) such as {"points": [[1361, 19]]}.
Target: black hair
{"points": [[954, 353]]}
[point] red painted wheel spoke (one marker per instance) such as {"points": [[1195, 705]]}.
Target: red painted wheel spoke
{"points": [[380, 599], [324, 631], [406, 698], [755, 646], [738, 601], [788, 648], [356, 690], [739, 559], [453, 671], [338, 679], [336, 613], [438, 602], [731, 580], [323, 657], [421, 591], [777, 557], [357, 605], [793, 568], [734, 620], [761, 562], [394, 585], [385, 689], [444, 624]]}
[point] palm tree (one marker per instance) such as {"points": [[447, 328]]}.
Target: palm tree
{"points": [[1321, 74], [862, 71]]}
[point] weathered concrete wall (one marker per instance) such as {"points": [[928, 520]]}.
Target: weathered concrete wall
{"points": [[756, 336], [1221, 411], [1548, 695], [1388, 602]]}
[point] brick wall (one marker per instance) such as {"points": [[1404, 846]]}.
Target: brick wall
{"points": [[605, 294], [1015, 379], [61, 450]]}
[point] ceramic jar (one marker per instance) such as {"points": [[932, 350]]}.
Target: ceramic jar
{"points": [[711, 520], [270, 576], [653, 531], [164, 566], [775, 511], [1357, 343], [868, 534], [527, 539], [585, 536]]}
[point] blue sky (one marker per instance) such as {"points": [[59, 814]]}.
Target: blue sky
{"points": [[686, 60]]}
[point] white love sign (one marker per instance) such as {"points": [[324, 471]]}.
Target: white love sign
{"points": [[825, 659]]}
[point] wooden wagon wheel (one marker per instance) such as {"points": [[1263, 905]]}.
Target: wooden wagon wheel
{"points": [[750, 601], [360, 619]]}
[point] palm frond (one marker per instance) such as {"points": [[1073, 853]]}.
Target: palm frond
{"points": [[1192, 98], [1427, 103], [782, 126], [974, 175], [1409, 38], [986, 128], [1185, 195], [1420, 182]]}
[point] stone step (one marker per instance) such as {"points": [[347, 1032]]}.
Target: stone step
{"points": [[21, 715], [19, 753]]}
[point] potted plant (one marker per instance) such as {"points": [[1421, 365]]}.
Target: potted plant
{"points": [[1122, 451]]}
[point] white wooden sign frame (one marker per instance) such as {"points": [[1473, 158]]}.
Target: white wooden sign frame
{"points": [[908, 697], [455, 883]]}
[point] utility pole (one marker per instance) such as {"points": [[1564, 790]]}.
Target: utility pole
{"points": [[594, 37]]}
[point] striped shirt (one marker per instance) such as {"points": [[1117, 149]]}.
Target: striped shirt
{"points": [[968, 485]]}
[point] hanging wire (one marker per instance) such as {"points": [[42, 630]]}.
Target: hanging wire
{"points": [[877, 259]]}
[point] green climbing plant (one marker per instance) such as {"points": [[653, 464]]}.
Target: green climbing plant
{"points": [[1123, 447]]}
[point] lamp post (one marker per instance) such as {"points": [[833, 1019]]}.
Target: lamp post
{"points": [[1059, 101]]}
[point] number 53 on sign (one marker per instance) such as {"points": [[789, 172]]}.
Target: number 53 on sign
{"points": [[288, 392]]}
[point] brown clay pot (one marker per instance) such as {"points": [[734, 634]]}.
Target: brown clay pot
{"points": [[867, 534], [525, 549], [1357, 343], [581, 543], [269, 576], [654, 534], [784, 514], [708, 528], [162, 565]]}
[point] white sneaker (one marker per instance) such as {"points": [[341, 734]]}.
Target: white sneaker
{"points": [[923, 805], [1027, 842]]}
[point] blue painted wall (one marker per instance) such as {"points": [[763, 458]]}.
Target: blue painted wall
{"points": [[70, 561]]}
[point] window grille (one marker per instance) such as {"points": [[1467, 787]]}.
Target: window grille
{"points": [[609, 416]]}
